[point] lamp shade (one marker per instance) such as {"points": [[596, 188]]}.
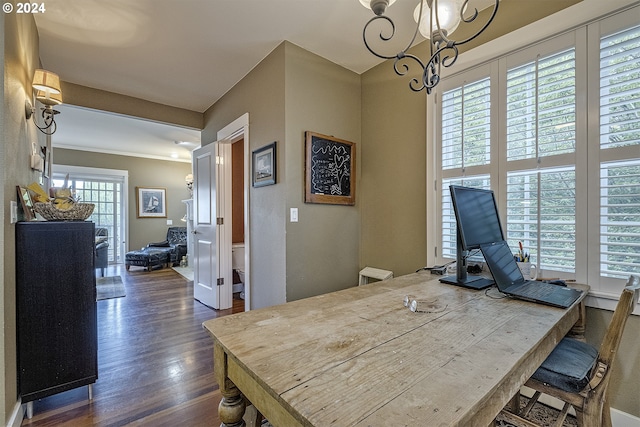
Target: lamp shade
{"points": [[46, 81], [448, 12], [48, 98]]}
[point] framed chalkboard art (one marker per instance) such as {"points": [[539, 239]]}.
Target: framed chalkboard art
{"points": [[330, 170]]}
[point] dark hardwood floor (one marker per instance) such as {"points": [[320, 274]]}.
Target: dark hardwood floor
{"points": [[155, 361]]}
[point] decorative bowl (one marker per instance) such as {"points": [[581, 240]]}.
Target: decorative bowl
{"points": [[79, 212]]}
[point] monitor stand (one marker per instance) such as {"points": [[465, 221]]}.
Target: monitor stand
{"points": [[462, 278], [471, 282]]}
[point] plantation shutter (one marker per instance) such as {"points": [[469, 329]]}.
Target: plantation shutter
{"points": [[465, 147], [620, 133], [540, 124]]}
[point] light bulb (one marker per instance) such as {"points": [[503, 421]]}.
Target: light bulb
{"points": [[448, 16]]}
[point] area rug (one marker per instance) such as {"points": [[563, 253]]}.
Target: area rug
{"points": [[109, 287], [540, 414]]}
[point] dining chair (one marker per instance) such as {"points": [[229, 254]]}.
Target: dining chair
{"points": [[578, 374]]}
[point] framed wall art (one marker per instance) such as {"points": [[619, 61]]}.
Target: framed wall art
{"points": [[151, 202], [330, 170], [26, 204], [264, 165]]}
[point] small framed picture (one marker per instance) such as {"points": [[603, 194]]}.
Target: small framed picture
{"points": [[151, 202], [25, 203], [264, 165]]}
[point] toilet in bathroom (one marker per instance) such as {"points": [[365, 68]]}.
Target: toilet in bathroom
{"points": [[237, 263]]}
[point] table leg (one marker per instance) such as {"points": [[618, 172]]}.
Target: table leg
{"points": [[231, 409], [578, 330], [232, 406]]}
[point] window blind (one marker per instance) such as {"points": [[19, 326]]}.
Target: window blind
{"points": [[620, 89], [541, 213], [466, 120], [541, 109]]}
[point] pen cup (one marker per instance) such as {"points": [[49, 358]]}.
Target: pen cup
{"points": [[529, 270]]}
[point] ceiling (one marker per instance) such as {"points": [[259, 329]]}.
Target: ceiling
{"points": [[188, 54]]}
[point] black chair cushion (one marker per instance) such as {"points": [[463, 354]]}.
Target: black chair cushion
{"points": [[568, 366]]}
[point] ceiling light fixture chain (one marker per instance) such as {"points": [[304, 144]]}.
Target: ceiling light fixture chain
{"points": [[434, 23]]}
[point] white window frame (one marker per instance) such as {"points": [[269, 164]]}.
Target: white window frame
{"points": [[81, 172]]}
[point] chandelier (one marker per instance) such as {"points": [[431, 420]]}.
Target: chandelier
{"points": [[435, 20]]}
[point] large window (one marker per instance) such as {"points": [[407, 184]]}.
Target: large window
{"points": [[554, 130], [106, 190]]}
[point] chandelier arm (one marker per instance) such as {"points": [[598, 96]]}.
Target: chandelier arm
{"points": [[472, 17], [403, 69], [382, 36], [447, 61], [415, 33], [468, 20], [434, 12], [484, 27], [431, 74]]}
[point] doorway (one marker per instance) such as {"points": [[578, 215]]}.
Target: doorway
{"points": [[233, 188], [213, 217], [237, 218]]}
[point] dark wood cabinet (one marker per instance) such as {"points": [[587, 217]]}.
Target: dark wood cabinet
{"points": [[56, 307]]}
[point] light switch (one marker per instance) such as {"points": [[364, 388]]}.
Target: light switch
{"points": [[169, 222], [14, 211], [294, 214]]}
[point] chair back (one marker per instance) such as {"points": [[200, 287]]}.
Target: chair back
{"points": [[613, 336], [177, 235]]}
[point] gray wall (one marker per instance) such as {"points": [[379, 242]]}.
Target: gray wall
{"points": [[394, 213], [289, 92], [261, 94], [142, 173], [20, 59], [322, 248]]}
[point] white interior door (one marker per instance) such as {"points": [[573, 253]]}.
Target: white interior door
{"points": [[206, 262]]}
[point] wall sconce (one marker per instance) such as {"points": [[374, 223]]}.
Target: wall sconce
{"points": [[436, 20], [46, 86]]}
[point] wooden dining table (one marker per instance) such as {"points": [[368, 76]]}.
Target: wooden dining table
{"points": [[359, 357]]}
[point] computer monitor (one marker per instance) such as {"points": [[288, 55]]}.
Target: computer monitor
{"points": [[477, 223]]}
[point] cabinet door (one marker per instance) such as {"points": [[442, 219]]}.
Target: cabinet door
{"points": [[56, 307]]}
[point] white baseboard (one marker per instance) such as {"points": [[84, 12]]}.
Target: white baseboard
{"points": [[17, 415], [622, 419], [618, 418]]}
